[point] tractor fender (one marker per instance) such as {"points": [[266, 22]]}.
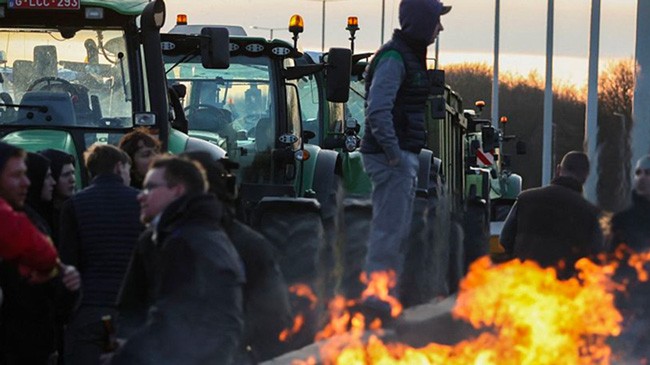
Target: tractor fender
{"points": [[180, 142], [34, 140]]}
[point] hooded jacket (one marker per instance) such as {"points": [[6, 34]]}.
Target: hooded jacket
{"points": [[37, 166], [397, 83]]}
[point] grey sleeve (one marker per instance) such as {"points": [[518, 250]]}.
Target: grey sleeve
{"points": [[386, 81], [509, 230]]}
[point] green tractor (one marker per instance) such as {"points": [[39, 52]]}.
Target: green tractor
{"points": [[288, 186], [84, 71], [491, 186]]}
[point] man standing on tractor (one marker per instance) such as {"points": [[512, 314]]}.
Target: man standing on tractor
{"points": [[397, 88]]}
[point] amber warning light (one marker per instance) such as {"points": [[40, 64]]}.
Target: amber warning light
{"points": [[504, 120], [353, 23], [296, 24], [181, 19]]}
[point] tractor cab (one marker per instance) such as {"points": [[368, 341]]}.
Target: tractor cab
{"points": [[252, 109], [83, 71]]}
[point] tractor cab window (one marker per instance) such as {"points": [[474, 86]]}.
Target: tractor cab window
{"points": [[355, 107], [310, 104], [231, 108], [48, 79]]}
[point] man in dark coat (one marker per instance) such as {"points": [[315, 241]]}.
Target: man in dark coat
{"points": [[555, 225], [197, 315], [99, 229], [266, 294], [631, 227]]}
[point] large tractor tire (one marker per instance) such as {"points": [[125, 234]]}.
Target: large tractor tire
{"points": [[295, 228], [355, 232]]}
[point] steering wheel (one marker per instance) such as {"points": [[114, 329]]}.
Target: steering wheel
{"points": [[50, 83], [192, 108]]}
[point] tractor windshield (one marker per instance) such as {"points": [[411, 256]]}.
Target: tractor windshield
{"points": [[54, 79], [232, 108]]}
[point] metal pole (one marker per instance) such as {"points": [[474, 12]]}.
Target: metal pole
{"points": [[641, 108], [383, 16], [547, 146], [437, 50], [322, 46], [495, 66], [591, 123]]}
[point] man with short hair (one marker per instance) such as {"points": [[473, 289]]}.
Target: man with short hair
{"points": [[20, 241], [555, 225], [99, 229], [195, 276]]}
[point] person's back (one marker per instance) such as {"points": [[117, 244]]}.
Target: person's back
{"points": [[555, 225], [99, 229]]}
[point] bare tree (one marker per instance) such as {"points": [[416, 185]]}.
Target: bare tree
{"points": [[615, 123]]}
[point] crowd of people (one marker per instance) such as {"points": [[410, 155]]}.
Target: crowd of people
{"points": [[148, 264]]}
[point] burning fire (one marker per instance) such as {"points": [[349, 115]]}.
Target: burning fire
{"points": [[526, 314], [303, 291]]}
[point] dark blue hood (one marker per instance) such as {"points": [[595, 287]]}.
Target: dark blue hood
{"points": [[419, 18]]}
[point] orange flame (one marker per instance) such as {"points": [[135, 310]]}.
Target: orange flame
{"points": [[298, 322], [379, 286], [304, 291], [530, 316]]}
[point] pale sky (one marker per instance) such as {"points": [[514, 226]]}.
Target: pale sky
{"points": [[468, 34]]}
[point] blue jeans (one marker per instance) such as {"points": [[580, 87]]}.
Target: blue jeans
{"points": [[393, 192]]}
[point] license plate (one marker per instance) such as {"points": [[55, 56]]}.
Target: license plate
{"points": [[45, 4]]}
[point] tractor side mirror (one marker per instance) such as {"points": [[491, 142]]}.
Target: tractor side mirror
{"points": [[339, 66], [215, 48]]}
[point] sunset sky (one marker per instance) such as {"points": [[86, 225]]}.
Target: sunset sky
{"points": [[468, 34]]}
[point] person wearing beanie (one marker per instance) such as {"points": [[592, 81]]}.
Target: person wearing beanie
{"points": [[397, 87], [63, 172]]}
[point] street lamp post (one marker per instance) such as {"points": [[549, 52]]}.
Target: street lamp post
{"points": [[270, 29], [322, 45]]}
